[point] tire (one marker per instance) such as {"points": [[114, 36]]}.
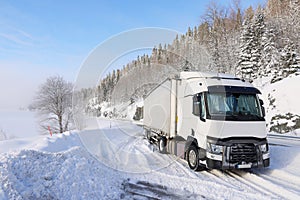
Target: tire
{"points": [[162, 144], [192, 158], [148, 135]]}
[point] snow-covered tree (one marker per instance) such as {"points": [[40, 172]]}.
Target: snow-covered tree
{"points": [[251, 45], [289, 60], [247, 37], [284, 15], [269, 62], [53, 102]]}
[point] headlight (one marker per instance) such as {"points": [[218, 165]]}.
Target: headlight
{"points": [[214, 148], [264, 148]]}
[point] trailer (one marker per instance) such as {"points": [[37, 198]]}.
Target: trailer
{"points": [[212, 120]]}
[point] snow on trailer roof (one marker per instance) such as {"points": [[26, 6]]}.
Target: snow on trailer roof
{"points": [[191, 75]]}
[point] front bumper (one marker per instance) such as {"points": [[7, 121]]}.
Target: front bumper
{"points": [[238, 155], [216, 164]]}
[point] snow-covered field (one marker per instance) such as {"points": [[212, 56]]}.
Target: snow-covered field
{"points": [[112, 160], [17, 124]]}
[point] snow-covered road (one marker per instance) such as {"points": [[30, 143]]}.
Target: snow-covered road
{"points": [[113, 160], [124, 148]]}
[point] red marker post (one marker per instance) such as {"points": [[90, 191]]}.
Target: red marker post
{"points": [[50, 131]]}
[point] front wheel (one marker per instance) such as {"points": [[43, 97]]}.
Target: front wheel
{"points": [[193, 158]]}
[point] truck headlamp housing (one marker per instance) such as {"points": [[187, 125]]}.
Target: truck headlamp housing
{"points": [[214, 148], [264, 148]]}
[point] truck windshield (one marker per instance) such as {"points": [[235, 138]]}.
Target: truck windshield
{"points": [[233, 106]]}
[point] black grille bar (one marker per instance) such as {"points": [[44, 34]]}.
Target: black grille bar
{"points": [[239, 153]]}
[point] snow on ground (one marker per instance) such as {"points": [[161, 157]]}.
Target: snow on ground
{"points": [[56, 167], [112, 160], [72, 174], [17, 124]]}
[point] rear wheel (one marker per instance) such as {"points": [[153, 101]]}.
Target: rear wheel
{"points": [[162, 144], [193, 158]]}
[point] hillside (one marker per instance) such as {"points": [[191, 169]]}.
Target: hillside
{"points": [[251, 43], [258, 44], [281, 102]]}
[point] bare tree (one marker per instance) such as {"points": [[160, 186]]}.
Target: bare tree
{"points": [[54, 104]]}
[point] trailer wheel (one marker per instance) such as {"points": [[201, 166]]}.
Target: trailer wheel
{"points": [[193, 158], [162, 144]]}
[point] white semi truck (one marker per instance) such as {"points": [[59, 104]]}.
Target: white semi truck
{"points": [[212, 120]]}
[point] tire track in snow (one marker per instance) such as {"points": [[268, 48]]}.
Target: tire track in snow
{"points": [[198, 175], [262, 184], [224, 179], [251, 184], [231, 181], [227, 179], [283, 179], [178, 170]]}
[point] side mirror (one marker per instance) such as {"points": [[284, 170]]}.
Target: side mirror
{"points": [[261, 102], [197, 107], [263, 111]]}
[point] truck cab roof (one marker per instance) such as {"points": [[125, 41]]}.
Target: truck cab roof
{"points": [[191, 75], [201, 81]]}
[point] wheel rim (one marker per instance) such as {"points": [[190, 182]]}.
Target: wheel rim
{"points": [[192, 158]]}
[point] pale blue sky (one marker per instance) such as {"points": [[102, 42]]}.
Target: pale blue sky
{"points": [[40, 38]]}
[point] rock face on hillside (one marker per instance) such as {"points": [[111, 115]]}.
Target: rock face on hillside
{"points": [[284, 123]]}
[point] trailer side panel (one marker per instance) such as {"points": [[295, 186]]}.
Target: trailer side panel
{"points": [[157, 108]]}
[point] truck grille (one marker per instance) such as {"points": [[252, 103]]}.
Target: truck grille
{"points": [[243, 153]]}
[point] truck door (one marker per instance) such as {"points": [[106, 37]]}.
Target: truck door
{"points": [[199, 111]]}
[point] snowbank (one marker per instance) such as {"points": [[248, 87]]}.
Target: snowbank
{"points": [[72, 174]]}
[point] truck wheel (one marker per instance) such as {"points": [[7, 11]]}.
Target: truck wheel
{"points": [[162, 144], [148, 135], [193, 158]]}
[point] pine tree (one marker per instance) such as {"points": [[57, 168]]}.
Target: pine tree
{"points": [[269, 63], [247, 36], [289, 60], [159, 53], [189, 33], [251, 46], [259, 30], [203, 33]]}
